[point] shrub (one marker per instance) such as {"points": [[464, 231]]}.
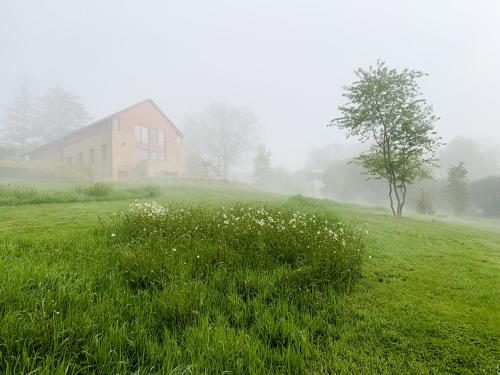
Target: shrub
{"points": [[162, 242], [16, 192], [98, 189]]}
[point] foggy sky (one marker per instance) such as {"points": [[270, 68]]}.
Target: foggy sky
{"points": [[285, 60]]}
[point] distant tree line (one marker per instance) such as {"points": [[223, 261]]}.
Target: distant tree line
{"points": [[30, 120]]}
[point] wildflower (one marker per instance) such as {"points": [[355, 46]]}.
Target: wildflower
{"points": [[113, 235], [226, 222]]}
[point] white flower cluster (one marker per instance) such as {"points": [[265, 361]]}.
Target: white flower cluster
{"points": [[250, 218], [147, 209]]}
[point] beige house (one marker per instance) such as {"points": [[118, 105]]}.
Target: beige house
{"points": [[137, 142]]}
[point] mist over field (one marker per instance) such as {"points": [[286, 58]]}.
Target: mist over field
{"points": [[249, 187]]}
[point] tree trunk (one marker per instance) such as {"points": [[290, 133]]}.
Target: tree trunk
{"points": [[403, 199], [391, 199], [398, 199]]}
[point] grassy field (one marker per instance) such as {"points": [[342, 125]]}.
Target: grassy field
{"points": [[75, 299]]}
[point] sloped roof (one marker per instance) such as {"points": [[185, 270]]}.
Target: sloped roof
{"points": [[103, 121]]}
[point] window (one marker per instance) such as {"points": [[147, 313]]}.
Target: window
{"points": [[144, 134], [70, 160], [137, 132], [154, 136], [80, 158], [104, 152], [92, 156], [141, 154], [179, 139]]}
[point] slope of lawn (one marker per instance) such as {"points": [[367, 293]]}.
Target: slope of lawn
{"points": [[73, 299]]}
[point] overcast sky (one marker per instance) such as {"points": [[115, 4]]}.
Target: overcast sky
{"points": [[285, 60]]}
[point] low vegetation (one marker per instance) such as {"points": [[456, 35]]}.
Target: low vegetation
{"points": [[20, 194], [217, 286], [174, 244]]}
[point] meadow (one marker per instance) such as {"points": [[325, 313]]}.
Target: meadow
{"points": [[218, 280]]}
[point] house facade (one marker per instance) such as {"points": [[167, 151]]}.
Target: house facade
{"points": [[137, 142]]}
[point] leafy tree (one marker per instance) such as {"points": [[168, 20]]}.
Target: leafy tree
{"points": [[485, 195], [262, 166], [457, 188], [386, 109], [223, 135], [424, 204], [480, 162], [60, 113], [17, 131]]}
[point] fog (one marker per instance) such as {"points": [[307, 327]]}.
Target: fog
{"points": [[285, 62]]}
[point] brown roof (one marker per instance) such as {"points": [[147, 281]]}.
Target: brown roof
{"points": [[104, 121]]}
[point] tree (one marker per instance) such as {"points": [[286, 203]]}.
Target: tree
{"points": [[457, 188], [198, 167], [485, 195], [262, 168], [17, 133], [60, 113], [385, 108], [424, 203], [480, 161], [223, 135]]}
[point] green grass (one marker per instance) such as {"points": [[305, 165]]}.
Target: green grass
{"points": [[427, 301]]}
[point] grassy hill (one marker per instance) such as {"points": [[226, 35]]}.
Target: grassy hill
{"points": [[427, 302]]}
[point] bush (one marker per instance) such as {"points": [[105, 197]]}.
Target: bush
{"points": [[98, 189], [162, 243], [16, 191]]}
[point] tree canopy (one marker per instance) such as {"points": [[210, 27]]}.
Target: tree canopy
{"points": [[385, 108]]}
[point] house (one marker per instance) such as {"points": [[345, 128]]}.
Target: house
{"points": [[137, 142]]}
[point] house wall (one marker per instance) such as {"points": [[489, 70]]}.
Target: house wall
{"points": [[125, 145], [83, 143], [117, 134]]}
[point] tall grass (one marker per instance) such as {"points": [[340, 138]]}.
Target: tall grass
{"points": [[179, 289], [98, 189], [17, 192], [317, 249], [20, 194]]}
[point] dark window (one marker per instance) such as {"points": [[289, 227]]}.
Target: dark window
{"points": [[92, 155]]}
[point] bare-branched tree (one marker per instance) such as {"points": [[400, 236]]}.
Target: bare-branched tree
{"points": [[223, 135]]}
